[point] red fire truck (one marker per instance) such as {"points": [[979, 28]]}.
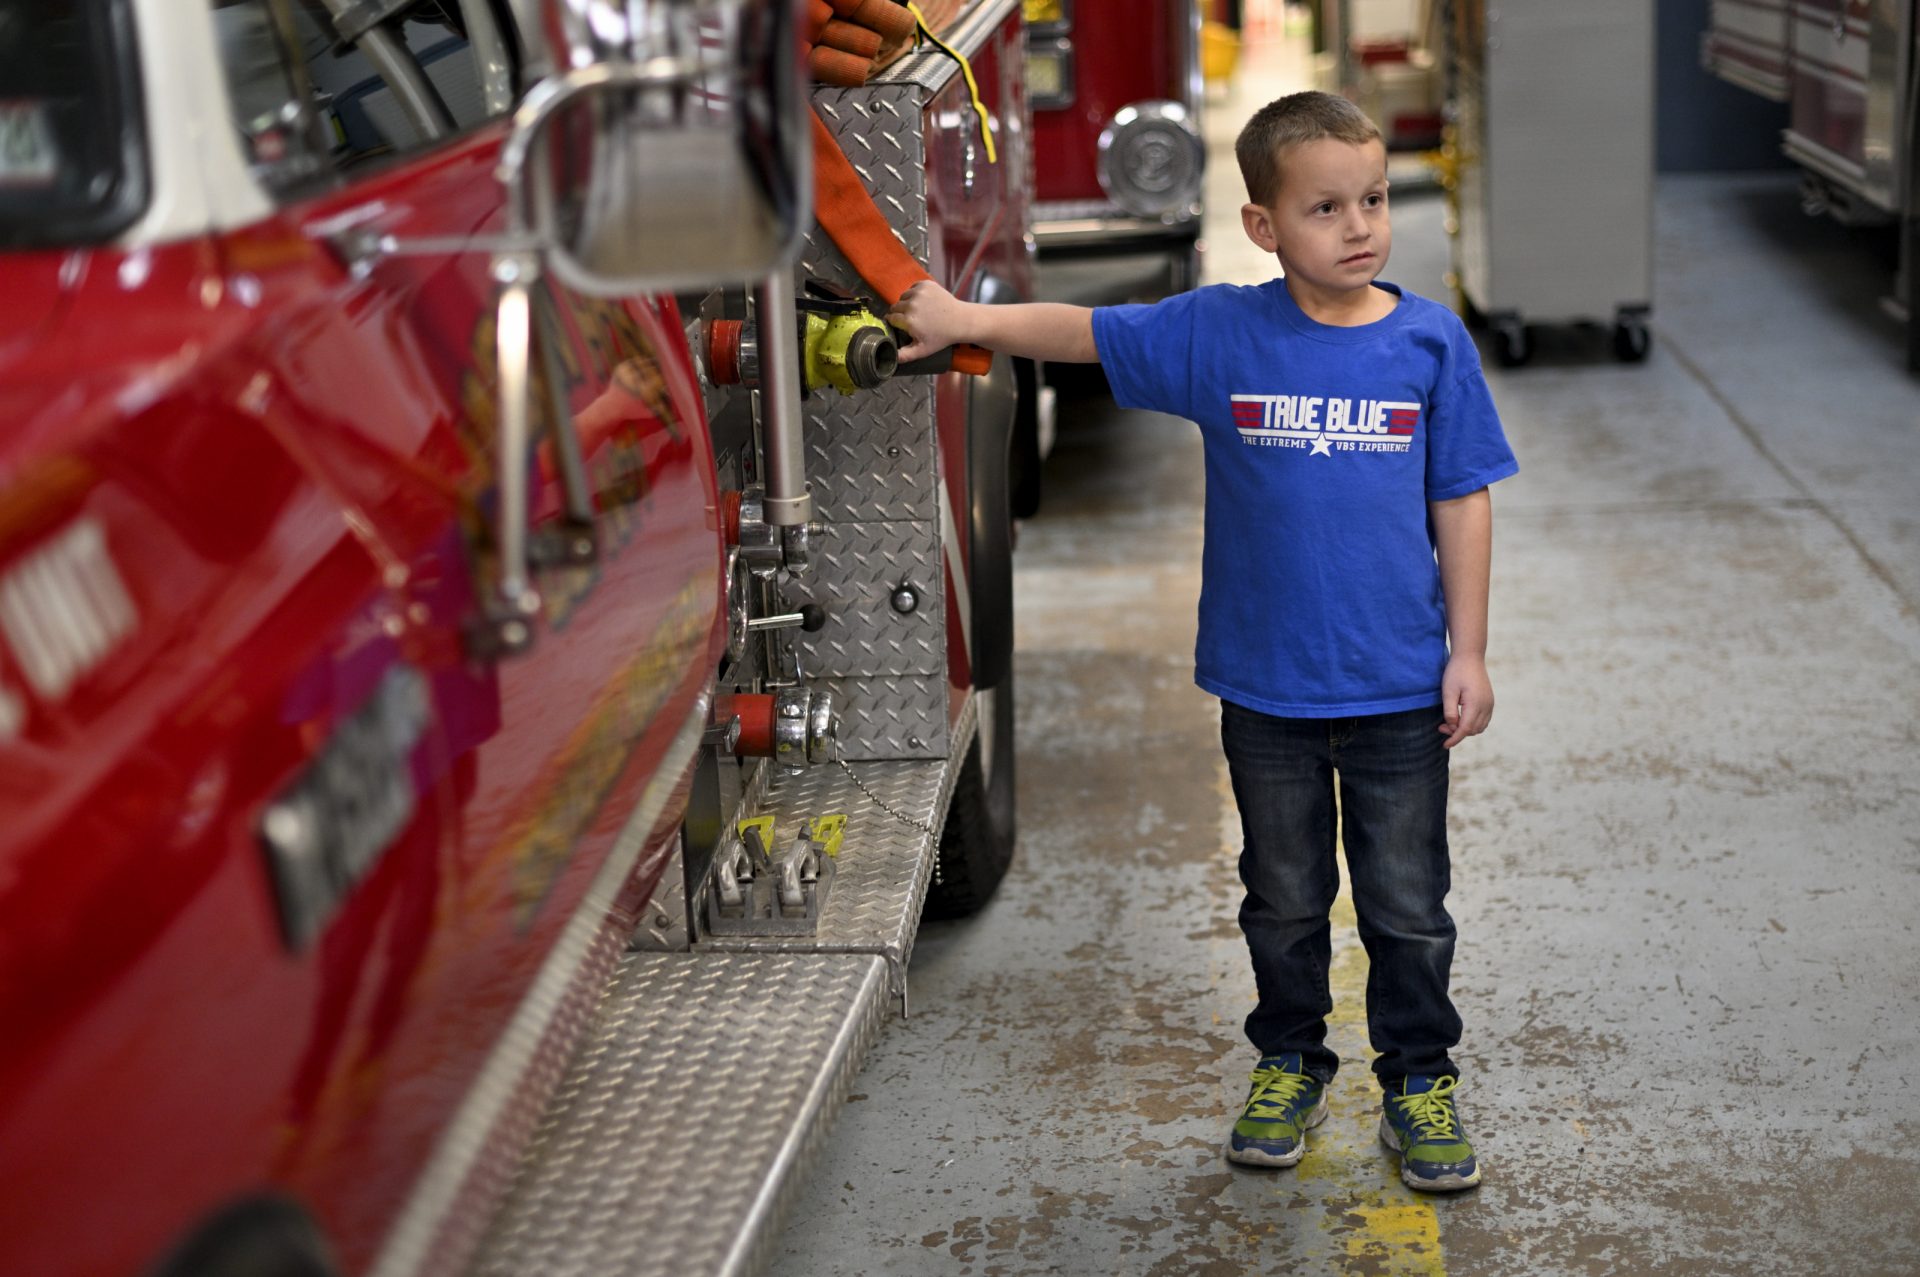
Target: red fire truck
{"points": [[1116, 93], [492, 666]]}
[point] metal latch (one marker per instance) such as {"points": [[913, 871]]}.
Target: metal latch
{"points": [[757, 890]]}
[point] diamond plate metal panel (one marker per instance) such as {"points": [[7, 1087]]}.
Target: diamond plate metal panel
{"points": [[457, 1234], [822, 261], [477, 1155], [884, 865], [679, 1136], [879, 129], [856, 569], [663, 924], [890, 718], [871, 456]]}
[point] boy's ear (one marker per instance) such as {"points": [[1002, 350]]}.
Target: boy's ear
{"points": [[1258, 223]]}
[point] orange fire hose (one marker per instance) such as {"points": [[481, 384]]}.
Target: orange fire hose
{"points": [[841, 51], [891, 20], [847, 213]]}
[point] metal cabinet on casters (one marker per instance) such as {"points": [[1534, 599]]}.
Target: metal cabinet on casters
{"points": [[1552, 167]]}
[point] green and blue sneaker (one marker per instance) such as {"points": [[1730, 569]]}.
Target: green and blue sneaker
{"points": [[1284, 1102], [1421, 1125]]}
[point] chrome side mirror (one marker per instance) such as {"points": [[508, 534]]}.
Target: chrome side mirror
{"points": [[674, 157], [673, 153]]}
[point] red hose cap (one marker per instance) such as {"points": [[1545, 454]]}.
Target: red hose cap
{"points": [[723, 351], [756, 726]]}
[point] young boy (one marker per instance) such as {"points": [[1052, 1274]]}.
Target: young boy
{"points": [[1350, 440]]}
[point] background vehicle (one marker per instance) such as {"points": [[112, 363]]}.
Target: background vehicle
{"points": [[1118, 160], [398, 627], [1116, 100], [1850, 74]]}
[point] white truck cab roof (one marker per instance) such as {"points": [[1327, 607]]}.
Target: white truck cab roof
{"points": [[198, 179]]}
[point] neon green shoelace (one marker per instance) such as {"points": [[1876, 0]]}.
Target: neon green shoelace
{"points": [[1431, 1112], [1273, 1090]]}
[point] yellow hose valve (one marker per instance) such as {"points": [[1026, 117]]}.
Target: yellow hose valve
{"points": [[850, 351]]}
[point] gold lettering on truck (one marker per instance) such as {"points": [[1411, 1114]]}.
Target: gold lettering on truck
{"points": [[575, 783]]}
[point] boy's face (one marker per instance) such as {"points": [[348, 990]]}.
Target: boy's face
{"points": [[1328, 224]]}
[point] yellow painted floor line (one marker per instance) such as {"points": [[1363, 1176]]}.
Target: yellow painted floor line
{"points": [[1385, 1227], [1375, 1226]]}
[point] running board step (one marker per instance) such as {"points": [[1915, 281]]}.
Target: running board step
{"points": [[885, 862], [690, 1117]]}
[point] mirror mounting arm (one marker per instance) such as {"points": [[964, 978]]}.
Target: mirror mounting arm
{"points": [[507, 615], [522, 320], [576, 539]]}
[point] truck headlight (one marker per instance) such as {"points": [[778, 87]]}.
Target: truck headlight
{"points": [[1152, 160], [1049, 73]]}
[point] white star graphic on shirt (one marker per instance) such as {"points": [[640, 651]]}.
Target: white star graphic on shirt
{"points": [[1320, 447]]}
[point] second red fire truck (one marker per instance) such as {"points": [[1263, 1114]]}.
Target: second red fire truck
{"points": [[1117, 95]]}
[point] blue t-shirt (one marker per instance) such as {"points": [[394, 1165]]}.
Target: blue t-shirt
{"points": [[1319, 590]]}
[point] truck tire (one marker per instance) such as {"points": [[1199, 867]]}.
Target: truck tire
{"points": [[977, 844], [257, 1237], [1026, 463], [992, 411]]}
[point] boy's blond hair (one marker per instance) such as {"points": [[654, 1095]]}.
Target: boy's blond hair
{"points": [[1289, 121]]}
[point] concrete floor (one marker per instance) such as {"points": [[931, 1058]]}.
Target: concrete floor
{"points": [[1687, 855]]}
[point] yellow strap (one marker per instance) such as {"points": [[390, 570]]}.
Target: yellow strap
{"points": [[966, 69]]}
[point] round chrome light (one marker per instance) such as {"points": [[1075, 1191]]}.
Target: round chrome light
{"points": [[1152, 159]]}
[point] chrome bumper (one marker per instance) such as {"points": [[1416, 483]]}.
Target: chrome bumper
{"points": [[1078, 223]]}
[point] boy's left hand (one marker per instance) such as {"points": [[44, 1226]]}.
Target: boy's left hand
{"points": [[1466, 698]]}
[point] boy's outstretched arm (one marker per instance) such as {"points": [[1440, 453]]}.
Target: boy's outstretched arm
{"points": [[1048, 331], [1463, 538]]}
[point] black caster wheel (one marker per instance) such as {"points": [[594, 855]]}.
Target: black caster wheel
{"points": [[1511, 345], [1631, 338]]}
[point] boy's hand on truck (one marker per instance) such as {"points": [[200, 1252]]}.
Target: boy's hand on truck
{"points": [[932, 316], [1049, 331]]}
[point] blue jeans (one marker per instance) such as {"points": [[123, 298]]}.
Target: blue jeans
{"points": [[1392, 772]]}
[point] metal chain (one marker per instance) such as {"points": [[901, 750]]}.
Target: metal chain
{"points": [[911, 822]]}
